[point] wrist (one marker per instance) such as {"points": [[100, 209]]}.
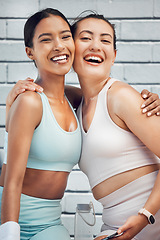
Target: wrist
{"points": [[10, 231], [149, 216], [143, 220]]}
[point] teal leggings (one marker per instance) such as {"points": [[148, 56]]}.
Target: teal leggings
{"points": [[52, 233], [39, 219]]}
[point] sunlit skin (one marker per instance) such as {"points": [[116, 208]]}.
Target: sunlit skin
{"points": [[53, 53], [94, 56]]}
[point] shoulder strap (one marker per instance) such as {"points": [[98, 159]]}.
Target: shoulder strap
{"points": [[108, 84]]}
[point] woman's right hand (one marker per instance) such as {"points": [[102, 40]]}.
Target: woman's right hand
{"points": [[20, 87]]}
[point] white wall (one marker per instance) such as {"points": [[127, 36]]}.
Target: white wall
{"points": [[138, 62]]}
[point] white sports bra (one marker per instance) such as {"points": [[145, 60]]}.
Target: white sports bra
{"points": [[107, 149]]}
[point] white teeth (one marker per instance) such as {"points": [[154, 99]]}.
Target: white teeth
{"points": [[94, 58], [63, 57]]}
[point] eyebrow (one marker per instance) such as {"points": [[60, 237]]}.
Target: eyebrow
{"points": [[49, 34], [106, 34], [44, 34], [87, 31], [103, 34]]}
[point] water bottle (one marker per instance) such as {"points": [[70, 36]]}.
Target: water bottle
{"points": [[84, 222]]}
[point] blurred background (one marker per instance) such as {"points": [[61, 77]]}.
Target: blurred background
{"points": [[137, 63]]}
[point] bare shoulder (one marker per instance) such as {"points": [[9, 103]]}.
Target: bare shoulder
{"points": [[123, 101], [29, 98], [122, 89], [123, 94], [27, 106], [27, 103]]}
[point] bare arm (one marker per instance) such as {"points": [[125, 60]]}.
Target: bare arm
{"points": [[126, 107], [146, 129], [23, 118]]}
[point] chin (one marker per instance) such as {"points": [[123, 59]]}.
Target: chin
{"points": [[65, 70]]}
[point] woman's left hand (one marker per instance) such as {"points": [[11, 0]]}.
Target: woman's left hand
{"points": [[100, 238], [132, 227], [151, 105]]}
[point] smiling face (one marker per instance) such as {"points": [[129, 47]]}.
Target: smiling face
{"points": [[53, 46], [94, 48]]}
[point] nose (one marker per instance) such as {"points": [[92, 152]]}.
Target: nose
{"points": [[58, 45], [95, 45]]}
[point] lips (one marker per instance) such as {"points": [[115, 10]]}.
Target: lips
{"points": [[93, 59], [60, 58]]}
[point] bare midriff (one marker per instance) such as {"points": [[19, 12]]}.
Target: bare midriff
{"points": [[41, 183], [116, 182]]}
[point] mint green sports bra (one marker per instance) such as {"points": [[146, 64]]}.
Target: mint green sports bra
{"points": [[52, 148]]}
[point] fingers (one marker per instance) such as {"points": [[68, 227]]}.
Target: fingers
{"points": [[152, 97], [152, 105], [20, 87], [127, 225], [100, 238], [28, 84], [152, 109], [30, 79], [125, 229], [145, 93], [125, 236]]}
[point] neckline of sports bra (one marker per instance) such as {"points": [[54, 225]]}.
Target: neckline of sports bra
{"points": [[52, 114], [110, 81], [106, 86]]}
